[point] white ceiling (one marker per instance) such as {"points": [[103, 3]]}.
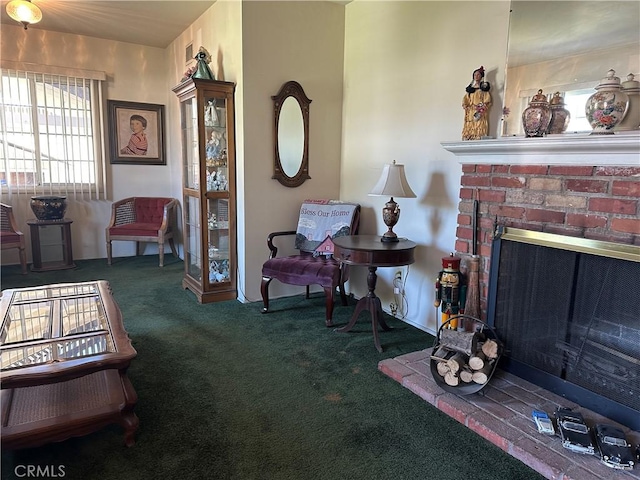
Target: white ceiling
{"points": [[540, 30], [151, 23]]}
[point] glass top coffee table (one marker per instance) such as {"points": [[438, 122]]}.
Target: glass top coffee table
{"points": [[64, 357]]}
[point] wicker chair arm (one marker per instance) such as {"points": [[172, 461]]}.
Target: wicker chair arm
{"points": [[167, 215], [9, 222]]}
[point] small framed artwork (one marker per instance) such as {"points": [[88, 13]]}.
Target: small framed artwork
{"points": [[136, 133]]}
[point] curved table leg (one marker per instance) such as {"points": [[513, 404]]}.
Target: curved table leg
{"points": [[371, 303], [129, 420]]}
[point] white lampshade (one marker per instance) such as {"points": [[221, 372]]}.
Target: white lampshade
{"points": [[24, 11], [393, 183]]}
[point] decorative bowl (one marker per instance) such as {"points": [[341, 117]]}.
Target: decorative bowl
{"points": [[49, 207]]}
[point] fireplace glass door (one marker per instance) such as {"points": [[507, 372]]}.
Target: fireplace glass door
{"points": [[570, 323]]}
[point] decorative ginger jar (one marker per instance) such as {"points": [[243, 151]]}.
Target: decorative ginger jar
{"points": [[631, 120], [537, 116], [560, 116], [607, 107], [49, 207]]}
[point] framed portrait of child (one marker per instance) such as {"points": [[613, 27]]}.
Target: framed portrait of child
{"points": [[136, 133]]}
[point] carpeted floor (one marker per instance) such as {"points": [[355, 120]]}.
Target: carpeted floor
{"points": [[228, 393]]}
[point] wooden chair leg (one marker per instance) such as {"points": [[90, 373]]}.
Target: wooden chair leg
{"points": [[343, 295], [23, 260], [173, 248], [328, 293], [307, 292], [161, 253], [108, 252], [264, 291]]}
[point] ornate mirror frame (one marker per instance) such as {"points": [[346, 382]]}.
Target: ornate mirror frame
{"points": [[295, 90]]}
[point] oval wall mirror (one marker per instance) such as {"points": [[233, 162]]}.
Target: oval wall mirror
{"points": [[291, 135]]}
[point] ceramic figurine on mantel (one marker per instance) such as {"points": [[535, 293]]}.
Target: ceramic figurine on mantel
{"points": [[537, 116], [560, 116], [607, 107], [476, 104], [631, 120]]}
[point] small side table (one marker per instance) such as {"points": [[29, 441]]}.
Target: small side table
{"points": [[369, 251], [51, 245]]}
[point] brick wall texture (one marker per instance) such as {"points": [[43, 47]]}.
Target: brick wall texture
{"points": [[600, 203]]}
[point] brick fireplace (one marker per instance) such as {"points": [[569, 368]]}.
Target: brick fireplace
{"points": [[541, 185], [595, 202], [575, 185]]}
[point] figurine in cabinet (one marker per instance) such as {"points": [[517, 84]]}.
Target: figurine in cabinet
{"points": [[476, 104], [214, 145]]}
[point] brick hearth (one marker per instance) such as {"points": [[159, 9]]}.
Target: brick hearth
{"points": [[501, 413]]}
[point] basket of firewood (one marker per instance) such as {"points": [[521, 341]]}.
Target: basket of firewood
{"points": [[463, 361]]}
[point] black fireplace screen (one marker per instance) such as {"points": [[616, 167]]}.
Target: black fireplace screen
{"points": [[571, 318]]}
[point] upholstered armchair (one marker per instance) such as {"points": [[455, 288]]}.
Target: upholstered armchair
{"points": [[10, 234], [143, 219], [318, 223]]}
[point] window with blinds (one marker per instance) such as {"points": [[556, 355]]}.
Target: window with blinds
{"points": [[51, 134]]}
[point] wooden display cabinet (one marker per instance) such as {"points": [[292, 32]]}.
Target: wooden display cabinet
{"points": [[207, 114]]}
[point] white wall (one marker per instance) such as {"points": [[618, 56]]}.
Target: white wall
{"points": [[282, 41], [406, 67], [134, 73]]}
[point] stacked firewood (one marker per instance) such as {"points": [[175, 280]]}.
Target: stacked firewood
{"points": [[465, 357]]}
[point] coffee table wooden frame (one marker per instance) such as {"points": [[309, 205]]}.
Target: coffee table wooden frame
{"points": [[60, 399]]}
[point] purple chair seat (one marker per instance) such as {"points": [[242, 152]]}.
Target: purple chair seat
{"points": [[303, 269]]}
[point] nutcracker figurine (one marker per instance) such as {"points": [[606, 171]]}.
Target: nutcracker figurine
{"points": [[451, 290]]}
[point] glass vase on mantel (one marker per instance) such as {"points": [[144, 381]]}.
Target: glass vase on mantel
{"points": [[560, 116], [537, 116], [607, 107]]}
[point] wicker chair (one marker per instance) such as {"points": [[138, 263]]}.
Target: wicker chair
{"points": [[314, 265], [11, 236], [143, 219]]}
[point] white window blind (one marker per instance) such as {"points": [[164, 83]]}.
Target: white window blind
{"points": [[51, 134]]}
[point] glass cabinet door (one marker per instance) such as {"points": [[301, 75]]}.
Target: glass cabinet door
{"points": [[217, 171], [218, 226], [215, 128], [190, 144], [192, 238]]}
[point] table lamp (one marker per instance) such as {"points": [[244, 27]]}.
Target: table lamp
{"points": [[393, 183]]}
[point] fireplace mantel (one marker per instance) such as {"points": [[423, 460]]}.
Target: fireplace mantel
{"points": [[621, 149]]}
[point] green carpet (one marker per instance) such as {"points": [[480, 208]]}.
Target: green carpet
{"points": [[225, 392]]}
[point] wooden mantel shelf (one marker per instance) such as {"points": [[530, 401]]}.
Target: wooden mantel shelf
{"points": [[621, 149]]}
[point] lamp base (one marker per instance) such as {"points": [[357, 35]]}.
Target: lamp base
{"points": [[389, 237], [390, 216]]}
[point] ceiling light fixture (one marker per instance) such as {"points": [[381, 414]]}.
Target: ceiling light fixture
{"points": [[24, 11]]}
